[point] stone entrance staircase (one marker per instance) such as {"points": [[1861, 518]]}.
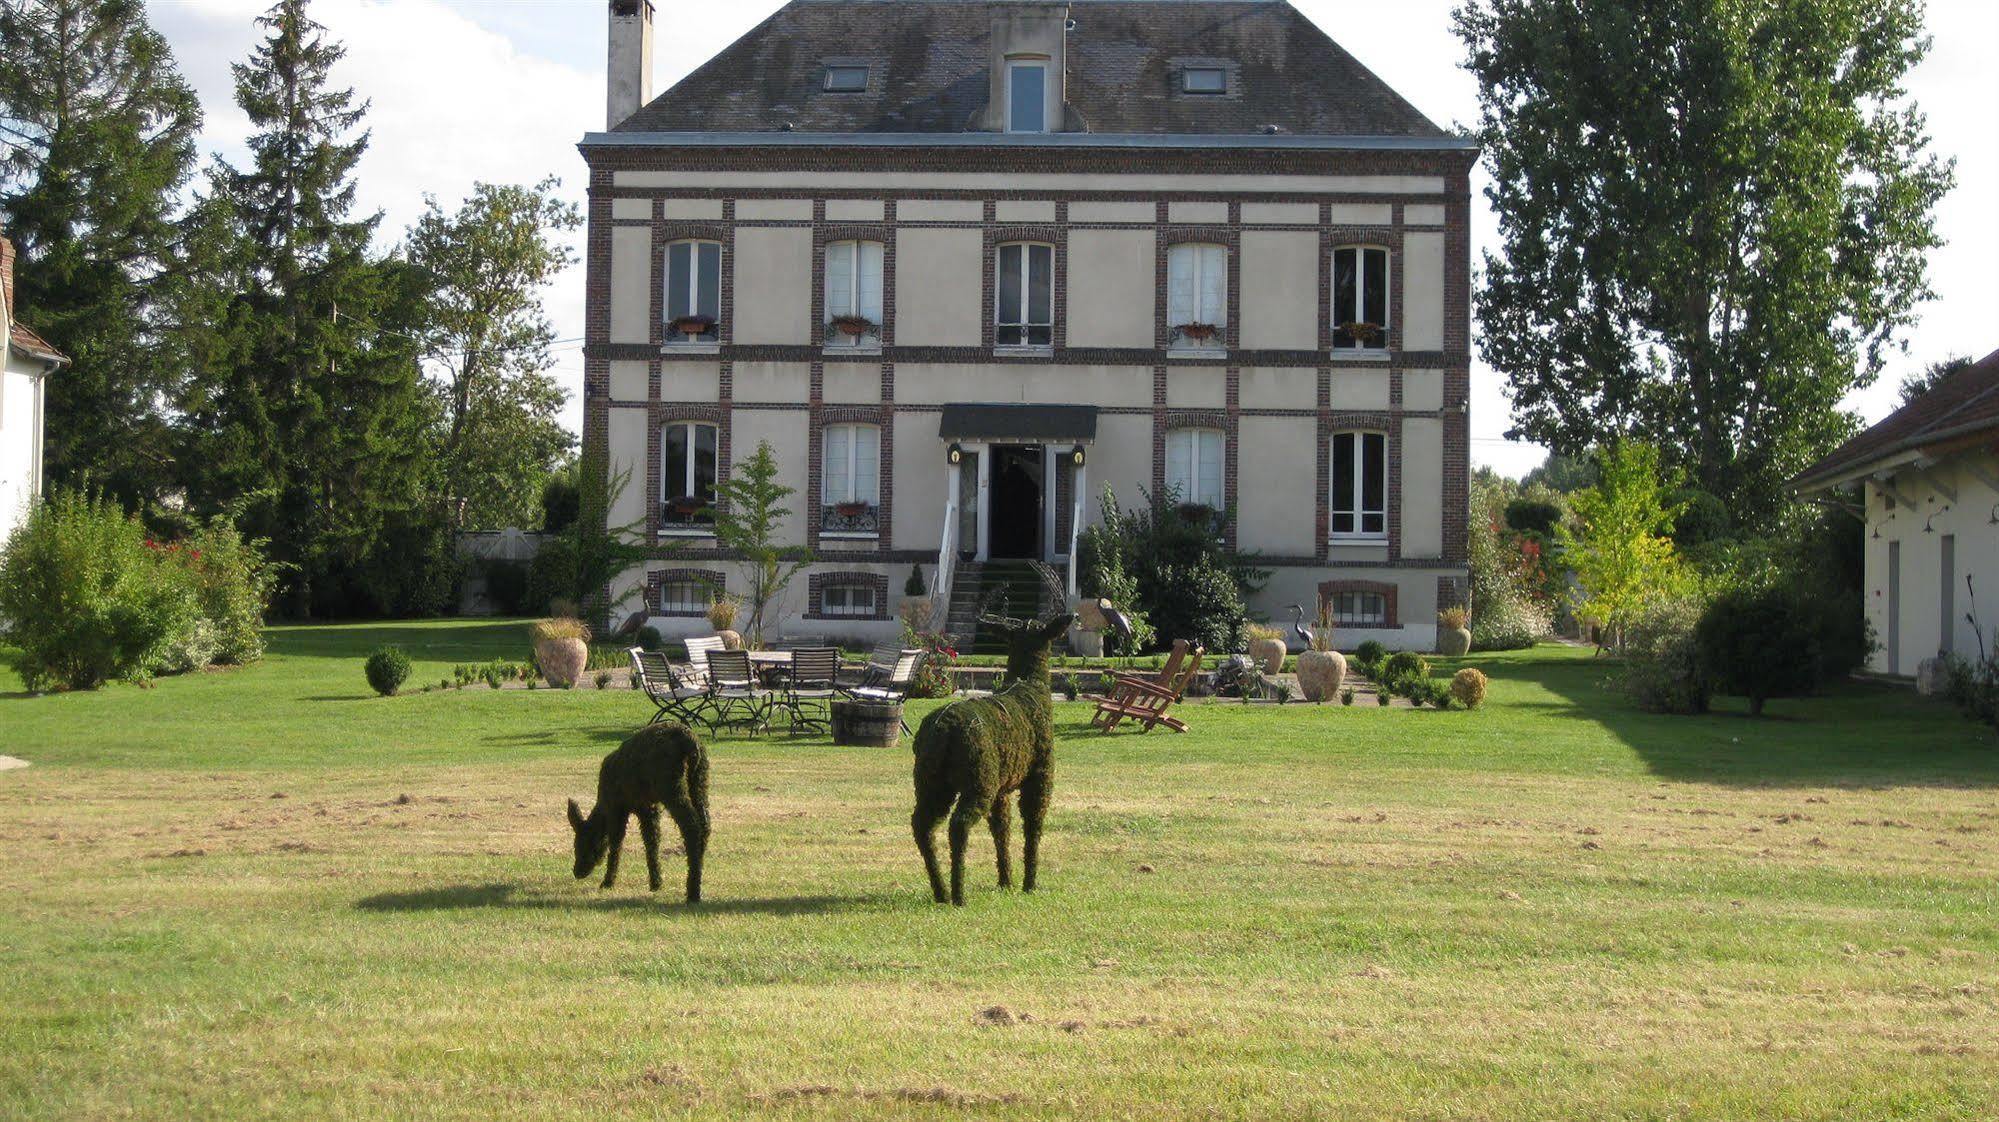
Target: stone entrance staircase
{"points": [[1012, 587]]}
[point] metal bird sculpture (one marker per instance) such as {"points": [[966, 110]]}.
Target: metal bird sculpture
{"points": [[1120, 625], [1304, 633]]}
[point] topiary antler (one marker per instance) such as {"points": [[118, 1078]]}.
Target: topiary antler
{"points": [[992, 609]]}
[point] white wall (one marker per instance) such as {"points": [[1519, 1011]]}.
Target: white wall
{"points": [[21, 389], [1920, 531]]}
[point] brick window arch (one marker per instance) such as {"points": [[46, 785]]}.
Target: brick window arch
{"points": [[847, 596], [683, 593]]}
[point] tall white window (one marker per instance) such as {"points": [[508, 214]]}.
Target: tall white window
{"points": [[1025, 301], [1360, 298], [1360, 485], [1197, 294], [687, 473], [693, 291], [1027, 95], [853, 293], [1194, 466], [853, 465]]}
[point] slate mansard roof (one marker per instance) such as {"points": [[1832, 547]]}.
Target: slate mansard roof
{"points": [[1962, 407], [928, 76]]}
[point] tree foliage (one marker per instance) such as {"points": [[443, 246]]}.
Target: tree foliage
{"points": [[1713, 217], [1621, 548], [1923, 381], [97, 135], [749, 518], [486, 338]]}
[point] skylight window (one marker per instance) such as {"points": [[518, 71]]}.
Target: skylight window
{"points": [[1204, 80], [846, 79]]}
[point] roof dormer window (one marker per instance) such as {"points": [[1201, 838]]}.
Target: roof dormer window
{"points": [[1204, 80], [846, 79], [1027, 95]]}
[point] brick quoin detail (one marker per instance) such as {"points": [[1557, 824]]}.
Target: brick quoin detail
{"points": [[1389, 593], [817, 583]]}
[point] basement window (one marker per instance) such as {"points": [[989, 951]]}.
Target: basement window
{"points": [[1204, 80], [846, 79]]}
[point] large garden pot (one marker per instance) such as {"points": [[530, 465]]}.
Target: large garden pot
{"points": [[1321, 674], [562, 660], [1088, 644], [1453, 641], [870, 724], [731, 641], [1090, 614], [1268, 655]]}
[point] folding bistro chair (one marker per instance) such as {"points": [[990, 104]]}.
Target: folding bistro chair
{"points": [[812, 680], [733, 690], [680, 694]]}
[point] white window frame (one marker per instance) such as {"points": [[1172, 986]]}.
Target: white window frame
{"points": [[671, 489], [1027, 321], [697, 602], [1360, 249], [693, 296], [1357, 501], [1186, 81], [1043, 65], [854, 492], [862, 600], [1203, 257], [858, 263], [1346, 609], [1191, 488]]}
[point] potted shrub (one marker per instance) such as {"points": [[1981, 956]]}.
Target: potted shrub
{"points": [[1266, 647], [1322, 671], [561, 649], [722, 617], [1453, 632]]}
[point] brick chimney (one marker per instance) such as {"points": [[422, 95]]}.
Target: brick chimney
{"points": [[629, 70]]}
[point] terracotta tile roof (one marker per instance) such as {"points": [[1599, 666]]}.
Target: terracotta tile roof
{"points": [[929, 63], [26, 341], [1962, 405]]}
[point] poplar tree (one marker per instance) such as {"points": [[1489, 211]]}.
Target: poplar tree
{"points": [[97, 133], [1713, 218]]}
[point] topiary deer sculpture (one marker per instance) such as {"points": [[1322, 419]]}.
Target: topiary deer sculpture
{"points": [[977, 752], [660, 765]]}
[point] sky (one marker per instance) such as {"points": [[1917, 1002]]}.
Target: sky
{"points": [[463, 91]]}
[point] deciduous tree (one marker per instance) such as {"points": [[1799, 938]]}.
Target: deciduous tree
{"points": [[1621, 547]]}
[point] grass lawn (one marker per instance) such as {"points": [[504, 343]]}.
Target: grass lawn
{"points": [[261, 892]]}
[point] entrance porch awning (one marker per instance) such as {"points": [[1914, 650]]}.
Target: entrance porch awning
{"points": [[1019, 423]]}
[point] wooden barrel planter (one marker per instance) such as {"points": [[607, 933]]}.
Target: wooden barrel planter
{"points": [[868, 724]]}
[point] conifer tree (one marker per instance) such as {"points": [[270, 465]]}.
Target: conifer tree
{"points": [[97, 135]]}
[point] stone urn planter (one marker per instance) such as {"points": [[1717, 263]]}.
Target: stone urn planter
{"points": [[562, 660], [1453, 632], [1088, 644], [1267, 655], [1090, 614], [1321, 674], [731, 640]]}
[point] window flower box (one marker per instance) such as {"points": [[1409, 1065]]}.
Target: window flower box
{"points": [[1198, 332], [695, 327], [1362, 332], [687, 509], [853, 327]]}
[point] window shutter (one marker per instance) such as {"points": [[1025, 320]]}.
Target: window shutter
{"points": [[839, 279], [870, 302], [867, 464], [1214, 285], [1180, 464], [837, 490], [1180, 286]]}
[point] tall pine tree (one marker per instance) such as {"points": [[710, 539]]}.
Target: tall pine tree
{"points": [[96, 140], [306, 409]]}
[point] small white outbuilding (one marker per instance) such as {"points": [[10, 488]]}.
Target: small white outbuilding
{"points": [[23, 393]]}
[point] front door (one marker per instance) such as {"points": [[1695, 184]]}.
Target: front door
{"points": [[1016, 502]]}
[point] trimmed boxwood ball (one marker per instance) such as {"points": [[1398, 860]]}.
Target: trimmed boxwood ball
{"points": [[1405, 671], [388, 668], [1468, 686]]}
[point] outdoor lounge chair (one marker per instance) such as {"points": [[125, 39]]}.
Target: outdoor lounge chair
{"points": [[1147, 700], [678, 693], [733, 690], [812, 681]]}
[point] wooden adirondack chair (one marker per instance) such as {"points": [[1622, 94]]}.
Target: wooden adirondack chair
{"points": [[1147, 700]]}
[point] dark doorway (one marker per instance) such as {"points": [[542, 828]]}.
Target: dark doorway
{"points": [[1016, 497]]}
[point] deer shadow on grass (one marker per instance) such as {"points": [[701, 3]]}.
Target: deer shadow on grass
{"points": [[517, 896]]}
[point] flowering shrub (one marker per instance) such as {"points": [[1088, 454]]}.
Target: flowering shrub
{"points": [[933, 674], [89, 598]]}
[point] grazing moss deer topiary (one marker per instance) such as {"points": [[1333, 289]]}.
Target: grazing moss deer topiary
{"points": [[977, 752], [661, 765]]}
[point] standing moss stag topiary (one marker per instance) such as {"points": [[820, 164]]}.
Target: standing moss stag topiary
{"points": [[661, 764], [978, 752]]}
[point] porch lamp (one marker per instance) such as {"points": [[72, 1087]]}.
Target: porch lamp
{"points": [[1076, 455], [955, 454]]}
